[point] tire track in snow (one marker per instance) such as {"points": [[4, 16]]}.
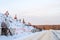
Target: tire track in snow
{"points": [[56, 35]]}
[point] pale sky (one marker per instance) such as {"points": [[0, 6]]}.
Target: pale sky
{"points": [[34, 11]]}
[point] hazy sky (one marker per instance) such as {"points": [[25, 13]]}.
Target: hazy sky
{"points": [[34, 11]]}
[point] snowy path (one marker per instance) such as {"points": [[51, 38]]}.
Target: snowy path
{"points": [[57, 33], [50, 35], [45, 35], [33, 36]]}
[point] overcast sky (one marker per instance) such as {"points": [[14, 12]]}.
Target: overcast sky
{"points": [[34, 11]]}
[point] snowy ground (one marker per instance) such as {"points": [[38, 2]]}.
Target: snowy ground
{"points": [[43, 35]]}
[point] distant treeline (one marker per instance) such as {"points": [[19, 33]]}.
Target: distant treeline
{"points": [[47, 27]]}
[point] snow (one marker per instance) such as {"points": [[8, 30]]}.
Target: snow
{"points": [[22, 32], [14, 24], [44, 35], [17, 28]]}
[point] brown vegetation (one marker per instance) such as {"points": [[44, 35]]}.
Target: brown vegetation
{"points": [[47, 27]]}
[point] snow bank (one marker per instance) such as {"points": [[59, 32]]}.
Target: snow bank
{"points": [[15, 26]]}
